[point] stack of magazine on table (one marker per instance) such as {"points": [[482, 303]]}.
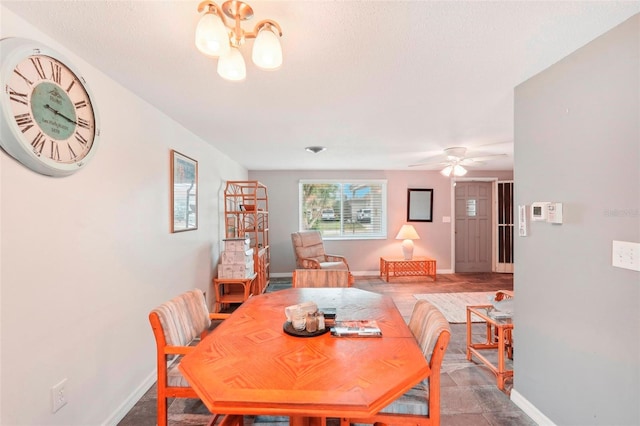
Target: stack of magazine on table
{"points": [[356, 328]]}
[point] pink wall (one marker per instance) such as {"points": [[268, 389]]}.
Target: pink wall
{"points": [[364, 255]]}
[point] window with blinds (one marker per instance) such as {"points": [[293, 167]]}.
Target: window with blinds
{"points": [[354, 209]]}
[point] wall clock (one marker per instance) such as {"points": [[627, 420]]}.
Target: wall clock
{"points": [[49, 122]]}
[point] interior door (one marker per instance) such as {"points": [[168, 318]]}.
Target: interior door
{"points": [[473, 205]]}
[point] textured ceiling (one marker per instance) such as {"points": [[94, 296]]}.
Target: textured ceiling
{"points": [[381, 84]]}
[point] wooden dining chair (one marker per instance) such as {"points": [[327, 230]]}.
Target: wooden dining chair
{"points": [[420, 405], [177, 326], [322, 278], [308, 248]]}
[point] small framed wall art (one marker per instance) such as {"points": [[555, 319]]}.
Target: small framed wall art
{"points": [[419, 205], [184, 193]]}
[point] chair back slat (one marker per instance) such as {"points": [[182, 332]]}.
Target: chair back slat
{"points": [[426, 324], [184, 318]]}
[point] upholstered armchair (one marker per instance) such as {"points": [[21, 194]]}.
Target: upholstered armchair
{"points": [[308, 248]]}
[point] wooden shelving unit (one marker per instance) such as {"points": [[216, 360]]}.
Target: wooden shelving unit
{"points": [[246, 214]]}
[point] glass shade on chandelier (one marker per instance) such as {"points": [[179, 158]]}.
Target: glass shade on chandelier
{"points": [[212, 37], [231, 66], [407, 233], [267, 52], [218, 38], [453, 170]]}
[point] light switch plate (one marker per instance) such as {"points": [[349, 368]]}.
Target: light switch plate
{"points": [[626, 255]]}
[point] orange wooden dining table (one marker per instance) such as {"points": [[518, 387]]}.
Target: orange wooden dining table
{"points": [[249, 365]]}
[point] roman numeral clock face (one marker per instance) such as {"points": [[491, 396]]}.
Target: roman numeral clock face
{"points": [[48, 120]]}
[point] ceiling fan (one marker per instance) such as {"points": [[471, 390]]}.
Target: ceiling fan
{"points": [[454, 158]]}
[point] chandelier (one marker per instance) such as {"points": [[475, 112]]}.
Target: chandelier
{"points": [[216, 37]]}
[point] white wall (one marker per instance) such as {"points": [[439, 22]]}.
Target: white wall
{"points": [[364, 255], [577, 318], [85, 258]]}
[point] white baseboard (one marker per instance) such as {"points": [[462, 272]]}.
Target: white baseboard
{"points": [[530, 409], [364, 273], [131, 400], [280, 274]]}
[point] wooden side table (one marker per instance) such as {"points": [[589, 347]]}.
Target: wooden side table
{"points": [[232, 290], [499, 334], [399, 267]]}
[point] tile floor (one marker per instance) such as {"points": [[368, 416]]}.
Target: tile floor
{"points": [[468, 389]]}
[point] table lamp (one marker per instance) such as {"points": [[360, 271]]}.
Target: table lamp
{"points": [[407, 233]]}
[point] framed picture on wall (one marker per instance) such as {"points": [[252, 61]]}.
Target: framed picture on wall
{"points": [[419, 205], [184, 193]]}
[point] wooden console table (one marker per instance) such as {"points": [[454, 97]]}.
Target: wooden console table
{"points": [[499, 336], [399, 267]]}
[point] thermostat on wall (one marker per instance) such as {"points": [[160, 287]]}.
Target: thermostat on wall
{"points": [[539, 210]]}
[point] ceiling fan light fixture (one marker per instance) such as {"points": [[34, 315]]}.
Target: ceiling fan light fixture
{"points": [[458, 170], [456, 157], [453, 170], [446, 172]]}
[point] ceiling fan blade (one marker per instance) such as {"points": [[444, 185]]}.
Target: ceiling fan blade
{"points": [[440, 163], [438, 159], [458, 155], [470, 162], [485, 157], [455, 152]]}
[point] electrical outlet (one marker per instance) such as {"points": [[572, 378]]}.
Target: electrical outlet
{"points": [[58, 396]]}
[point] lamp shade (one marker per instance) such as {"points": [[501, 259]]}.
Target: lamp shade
{"points": [[267, 52], [407, 232], [232, 66], [211, 36]]}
